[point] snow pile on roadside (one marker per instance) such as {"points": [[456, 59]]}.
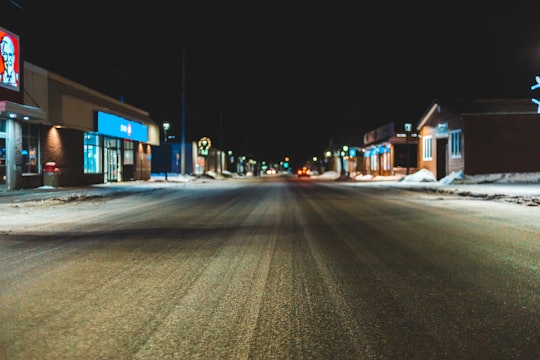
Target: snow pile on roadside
{"points": [[172, 177], [458, 177], [332, 175], [362, 177], [421, 175]]}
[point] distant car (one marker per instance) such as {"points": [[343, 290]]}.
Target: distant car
{"points": [[303, 172]]}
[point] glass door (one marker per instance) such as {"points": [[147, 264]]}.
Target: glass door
{"points": [[112, 164], [3, 177], [112, 159]]}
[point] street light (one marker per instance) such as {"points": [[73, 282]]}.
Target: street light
{"points": [[166, 127], [344, 152], [327, 164], [408, 129]]}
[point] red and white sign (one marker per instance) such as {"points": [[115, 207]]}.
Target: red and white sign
{"points": [[10, 60]]}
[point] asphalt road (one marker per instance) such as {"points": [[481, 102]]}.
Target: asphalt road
{"points": [[270, 269]]}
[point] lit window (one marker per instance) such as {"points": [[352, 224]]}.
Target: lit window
{"points": [[427, 147], [30, 146], [128, 152], [92, 153], [455, 144], [374, 160], [386, 160]]}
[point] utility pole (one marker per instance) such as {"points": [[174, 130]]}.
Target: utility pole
{"points": [[221, 123], [221, 133], [183, 144], [408, 129]]}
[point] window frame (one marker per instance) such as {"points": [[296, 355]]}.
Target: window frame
{"points": [[30, 153], [92, 153], [455, 143], [427, 148], [129, 152]]}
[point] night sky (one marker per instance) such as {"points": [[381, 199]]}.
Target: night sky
{"points": [[271, 79]]}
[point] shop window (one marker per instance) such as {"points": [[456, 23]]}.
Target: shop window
{"points": [[30, 146], [374, 161], [128, 152], [386, 159], [92, 153]]}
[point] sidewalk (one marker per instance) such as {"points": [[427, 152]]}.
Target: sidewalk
{"points": [[520, 193], [74, 192], [521, 188]]}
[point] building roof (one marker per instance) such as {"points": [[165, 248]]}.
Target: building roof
{"points": [[389, 133], [451, 108]]}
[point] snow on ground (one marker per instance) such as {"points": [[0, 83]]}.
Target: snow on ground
{"points": [[509, 185], [174, 177], [426, 176], [521, 188], [422, 176], [459, 178]]}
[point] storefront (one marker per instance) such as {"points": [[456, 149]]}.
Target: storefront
{"points": [[94, 138], [124, 141], [50, 122], [20, 124], [20, 128], [389, 152]]}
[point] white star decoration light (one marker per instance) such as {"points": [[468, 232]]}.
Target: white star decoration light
{"points": [[534, 87]]}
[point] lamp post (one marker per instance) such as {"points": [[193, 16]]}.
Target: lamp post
{"points": [[343, 152], [183, 142], [315, 162], [327, 164], [408, 129], [166, 127]]}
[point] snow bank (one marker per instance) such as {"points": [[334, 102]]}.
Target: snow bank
{"points": [[458, 177], [421, 175]]}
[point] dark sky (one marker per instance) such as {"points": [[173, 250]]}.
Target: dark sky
{"points": [[273, 79]]}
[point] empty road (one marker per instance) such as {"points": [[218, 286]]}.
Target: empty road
{"points": [[270, 268]]}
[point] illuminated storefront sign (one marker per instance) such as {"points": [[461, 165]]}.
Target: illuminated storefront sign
{"points": [[9, 66], [204, 145], [113, 125]]}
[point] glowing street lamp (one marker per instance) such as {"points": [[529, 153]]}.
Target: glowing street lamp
{"points": [[344, 152], [166, 127], [408, 129]]}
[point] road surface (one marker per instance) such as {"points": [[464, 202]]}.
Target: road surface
{"points": [[270, 268]]}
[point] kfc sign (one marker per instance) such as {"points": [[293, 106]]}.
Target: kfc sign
{"points": [[10, 64]]}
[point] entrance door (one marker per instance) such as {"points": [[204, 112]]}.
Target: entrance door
{"points": [[442, 155], [3, 177], [112, 159], [112, 165]]}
